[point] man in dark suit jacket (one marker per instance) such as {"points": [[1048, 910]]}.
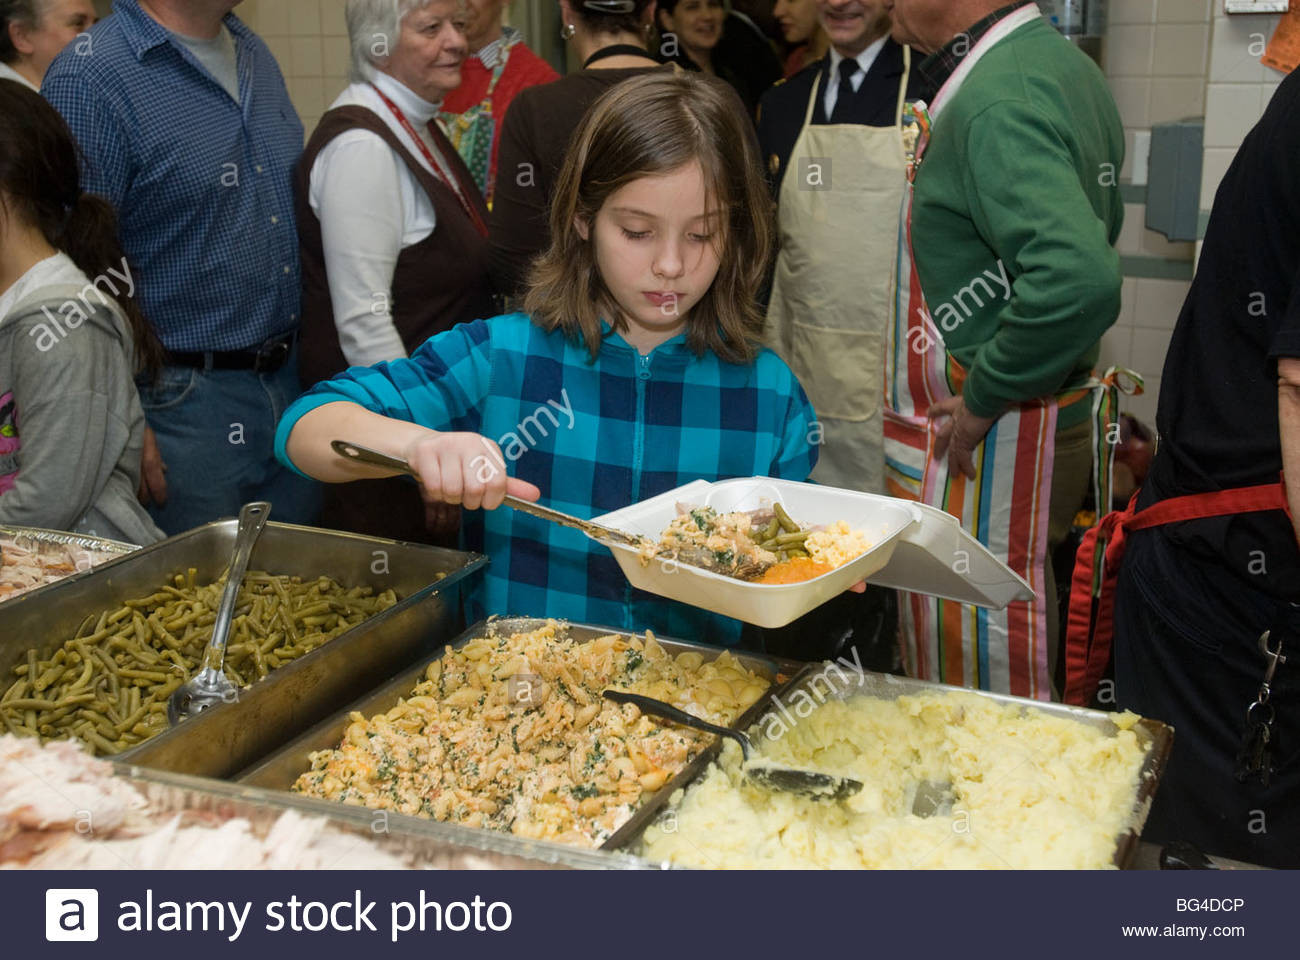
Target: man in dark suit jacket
{"points": [[875, 98]]}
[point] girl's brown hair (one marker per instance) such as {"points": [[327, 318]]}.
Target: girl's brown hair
{"points": [[40, 175], [647, 126]]}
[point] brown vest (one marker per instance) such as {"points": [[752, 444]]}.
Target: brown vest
{"points": [[438, 282]]}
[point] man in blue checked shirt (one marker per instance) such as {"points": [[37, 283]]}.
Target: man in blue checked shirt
{"points": [[187, 129]]}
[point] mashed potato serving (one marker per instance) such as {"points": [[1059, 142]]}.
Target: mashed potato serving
{"points": [[511, 733], [1031, 791]]}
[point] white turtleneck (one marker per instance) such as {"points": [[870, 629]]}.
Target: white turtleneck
{"points": [[371, 207], [9, 73]]}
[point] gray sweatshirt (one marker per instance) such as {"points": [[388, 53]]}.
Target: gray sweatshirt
{"points": [[71, 425]]}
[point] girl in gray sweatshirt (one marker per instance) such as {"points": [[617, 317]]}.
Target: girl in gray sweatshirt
{"points": [[71, 339]]}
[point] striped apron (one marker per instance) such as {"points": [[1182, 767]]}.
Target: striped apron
{"points": [[1006, 506]]}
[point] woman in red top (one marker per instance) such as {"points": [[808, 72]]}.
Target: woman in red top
{"points": [[498, 67]]}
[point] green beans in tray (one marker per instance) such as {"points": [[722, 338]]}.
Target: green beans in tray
{"points": [[108, 685]]}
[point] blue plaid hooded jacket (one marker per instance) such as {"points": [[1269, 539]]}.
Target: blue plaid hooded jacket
{"points": [[593, 437]]}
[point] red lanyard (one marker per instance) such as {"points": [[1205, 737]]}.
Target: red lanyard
{"points": [[445, 175]]}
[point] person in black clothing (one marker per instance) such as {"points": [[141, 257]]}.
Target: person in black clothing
{"points": [[704, 35], [875, 89], [1194, 595], [609, 38]]}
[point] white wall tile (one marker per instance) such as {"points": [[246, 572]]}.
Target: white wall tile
{"points": [[306, 56], [336, 59], [1158, 303], [1129, 50], [1181, 50], [1231, 109], [332, 21], [273, 18], [1115, 348], [1133, 98], [1236, 47], [1182, 11], [1130, 234], [1176, 99], [1215, 164], [304, 17], [1149, 349], [1131, 11]]}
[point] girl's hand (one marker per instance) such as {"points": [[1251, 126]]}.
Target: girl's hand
{"points": [[465, 468]]}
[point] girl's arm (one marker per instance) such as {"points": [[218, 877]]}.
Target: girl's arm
{"points": [[463, 468]]}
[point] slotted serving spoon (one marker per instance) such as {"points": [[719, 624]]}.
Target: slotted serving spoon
{"points": [[210, 686], [810, 783], [355, 451]]}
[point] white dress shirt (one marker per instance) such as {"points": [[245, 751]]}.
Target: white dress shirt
{"points": [[9, 73], [865, 59], [371, 208]]}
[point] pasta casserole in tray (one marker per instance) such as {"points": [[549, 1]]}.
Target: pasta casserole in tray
{"points": [[509, 732]]}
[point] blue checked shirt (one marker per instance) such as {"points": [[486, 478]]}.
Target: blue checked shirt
{"points": [[593, 438], [202, 185]]}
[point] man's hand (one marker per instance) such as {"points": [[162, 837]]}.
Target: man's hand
{"points": [[960, 435], [153, 472]]}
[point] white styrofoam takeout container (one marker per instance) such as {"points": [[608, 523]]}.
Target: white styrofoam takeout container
{"points": [[767, 605], [913, 547]]}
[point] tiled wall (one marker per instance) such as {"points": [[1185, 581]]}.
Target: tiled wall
{"points": [[1239, 88], [310, 40], [1168, 60], [1157, 58]]}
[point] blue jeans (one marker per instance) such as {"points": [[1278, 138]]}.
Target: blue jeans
{"points": [[216, 432]]}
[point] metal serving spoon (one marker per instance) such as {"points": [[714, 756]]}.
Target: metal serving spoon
{"points": [[810, 783], [210, 686], [355, 451]]}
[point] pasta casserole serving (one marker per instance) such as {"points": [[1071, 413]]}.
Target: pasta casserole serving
{"points": [[511, 733]]}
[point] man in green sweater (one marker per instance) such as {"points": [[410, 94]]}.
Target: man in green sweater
{"points": [[1013, 279]]}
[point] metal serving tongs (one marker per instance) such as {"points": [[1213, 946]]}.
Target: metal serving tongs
{"points": [[810, 783], [210, 685], [597, 532]]}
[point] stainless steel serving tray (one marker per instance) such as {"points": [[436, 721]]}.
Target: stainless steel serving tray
{"points": [[105, 549], [229, 737], [62, 536], [825, 681], [279, 771], [426, 844]]}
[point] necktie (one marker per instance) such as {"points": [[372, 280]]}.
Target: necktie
{"points": [[844, 96]]}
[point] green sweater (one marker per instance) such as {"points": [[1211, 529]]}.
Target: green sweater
{"points": [[1015, 214]]}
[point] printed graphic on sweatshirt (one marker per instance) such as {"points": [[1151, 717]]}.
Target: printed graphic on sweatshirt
{"points": [[9, 443]]}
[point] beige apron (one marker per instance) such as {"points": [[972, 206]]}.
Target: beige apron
{"points": [[833, 290]]}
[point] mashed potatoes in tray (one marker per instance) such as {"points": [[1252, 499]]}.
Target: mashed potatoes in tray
{"points": [[511, 733], [1031, 791]]}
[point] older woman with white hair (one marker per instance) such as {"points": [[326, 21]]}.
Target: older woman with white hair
{"points": [[392, 228], [33, 32]]}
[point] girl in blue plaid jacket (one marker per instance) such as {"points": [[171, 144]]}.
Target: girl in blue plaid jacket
{"points": [[635, 368]]}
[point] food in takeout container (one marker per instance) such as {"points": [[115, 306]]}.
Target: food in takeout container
{"points": [[510, 732], [1029, 790], [840, 538], [108, 684]]}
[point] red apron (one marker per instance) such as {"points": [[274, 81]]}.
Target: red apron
{"points": [[1091, 623]]}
